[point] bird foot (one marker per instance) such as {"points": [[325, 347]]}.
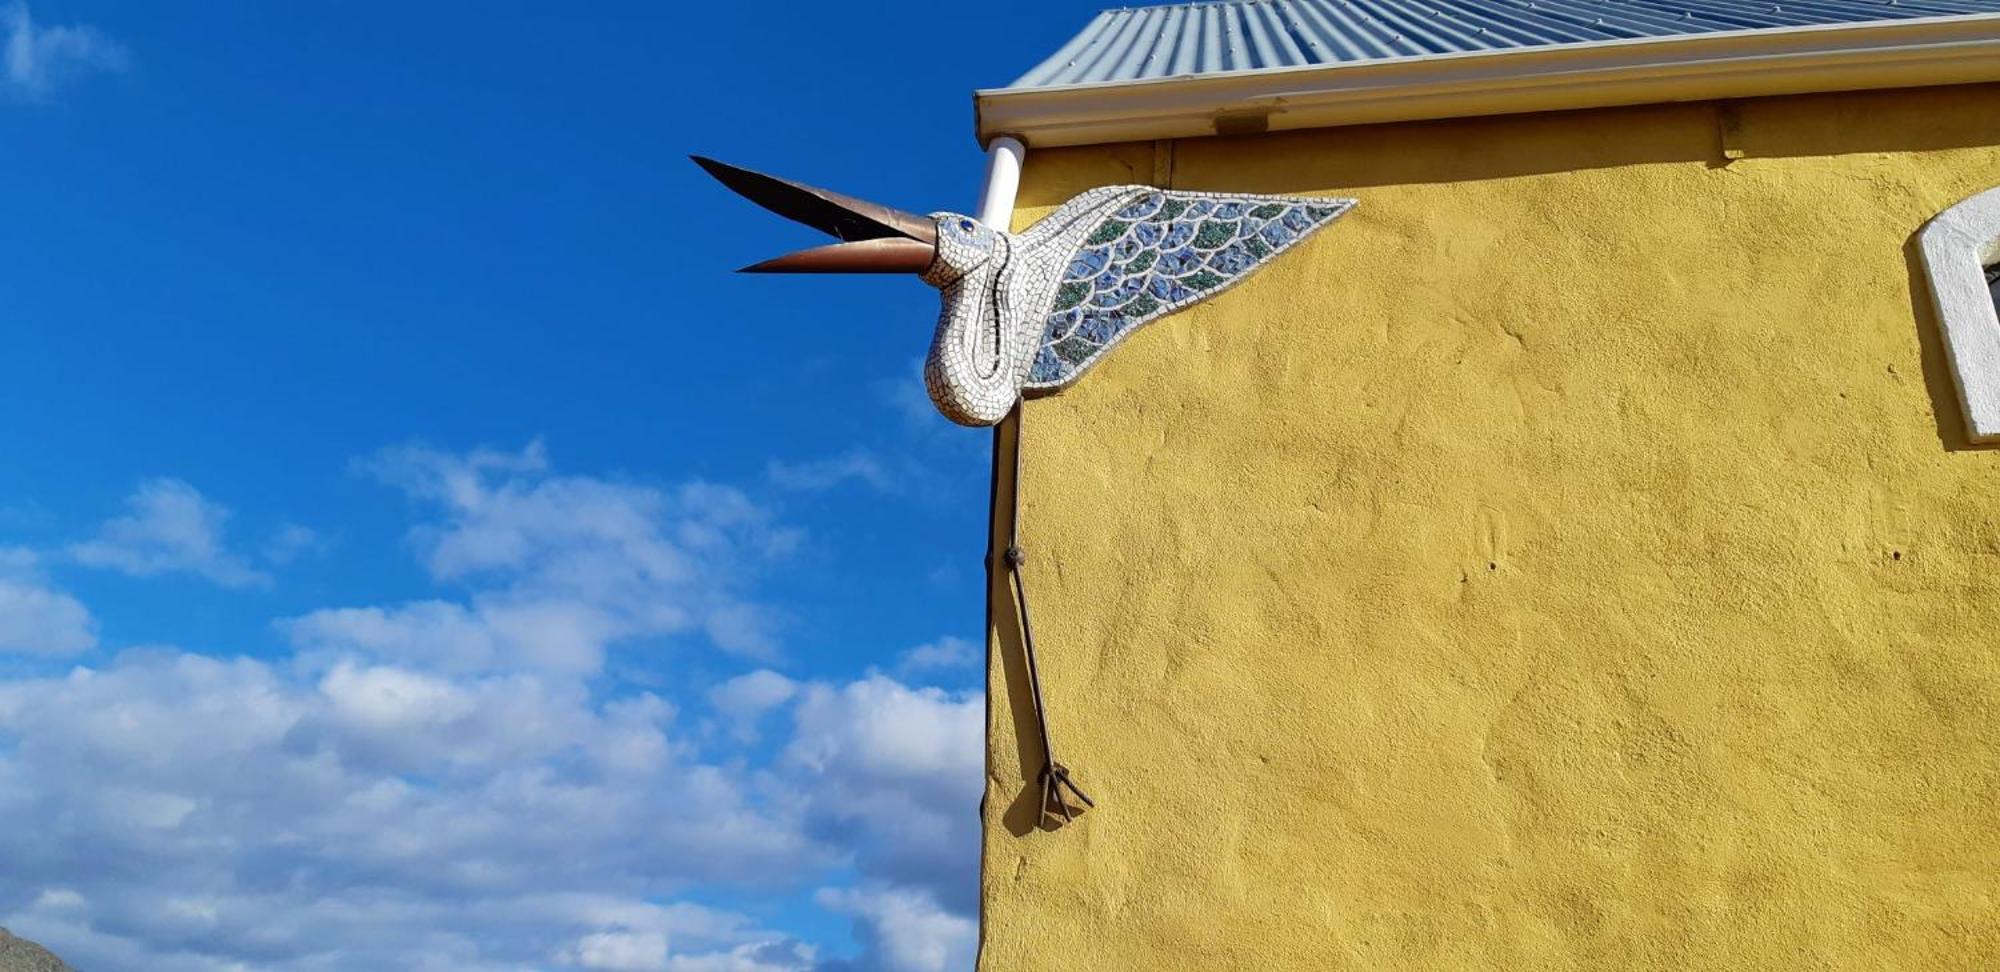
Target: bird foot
{"points": [[1055, 779]]}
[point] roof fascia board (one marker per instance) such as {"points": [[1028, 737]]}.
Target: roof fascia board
{"points": [[1696, 67]]}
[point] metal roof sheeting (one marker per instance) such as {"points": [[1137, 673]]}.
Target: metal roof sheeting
{"points": [[1245, 35]]}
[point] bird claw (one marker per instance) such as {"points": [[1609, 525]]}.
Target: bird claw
{"points": [[1055, 779]]}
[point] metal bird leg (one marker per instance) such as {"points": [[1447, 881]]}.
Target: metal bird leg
{"points": [[879, 239], [1054, 776]]}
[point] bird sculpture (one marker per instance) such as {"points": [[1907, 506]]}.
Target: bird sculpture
{"points": [[1026, 314]]}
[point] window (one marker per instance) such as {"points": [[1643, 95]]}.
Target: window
{"points": [[1961, 257]]}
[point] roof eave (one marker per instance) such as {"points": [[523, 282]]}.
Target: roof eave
{"points": [[1696, 67]]}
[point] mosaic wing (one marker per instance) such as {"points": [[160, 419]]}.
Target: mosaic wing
{"points": [[1144, 253]]}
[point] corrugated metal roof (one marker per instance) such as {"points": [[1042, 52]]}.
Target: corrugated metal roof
{"points": [[1245, 35]]}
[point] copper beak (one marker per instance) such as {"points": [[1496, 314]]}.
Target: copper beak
{"points": [[875, 238], [889, 255]]}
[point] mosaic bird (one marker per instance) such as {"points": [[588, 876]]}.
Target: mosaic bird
{"points": [[1028, 313]]}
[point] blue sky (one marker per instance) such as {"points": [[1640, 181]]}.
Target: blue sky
{"points": [[419, 551]]}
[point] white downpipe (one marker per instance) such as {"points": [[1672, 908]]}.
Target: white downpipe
{"points": [[1003, 180]]}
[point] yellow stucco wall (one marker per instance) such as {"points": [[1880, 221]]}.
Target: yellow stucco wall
{"points": [[1570, 559]]}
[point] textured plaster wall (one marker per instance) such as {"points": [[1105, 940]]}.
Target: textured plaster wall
{"points": [[1570, 559]]}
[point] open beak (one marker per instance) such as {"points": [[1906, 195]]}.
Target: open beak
{"points": [[874, 238]]}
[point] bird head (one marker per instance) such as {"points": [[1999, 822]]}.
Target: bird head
{"points": [[964, 245], [873, 238], [971, 369]]}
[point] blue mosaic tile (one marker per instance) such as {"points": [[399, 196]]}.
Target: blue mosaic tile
{"points": [[1062, 324], [1151, 255], [1118, 293], [1086, 263], [1099, 328], [1177, 262], [1232, 259], [1046, 367], [1145, 206]]}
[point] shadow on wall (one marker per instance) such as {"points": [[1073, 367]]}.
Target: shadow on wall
{"points": [[1028, 810]]}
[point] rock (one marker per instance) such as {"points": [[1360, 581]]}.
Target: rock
{"points": [[21, 955]]}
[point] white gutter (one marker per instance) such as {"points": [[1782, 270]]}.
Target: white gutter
{"points": [[1696, 67], [1003, 181]]}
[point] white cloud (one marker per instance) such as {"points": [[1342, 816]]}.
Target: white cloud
{"points": [[457, 784], [59, 899], [855, 465], [174, 811], [744, 700], [878, 729], [292, 541], [894, 773], [170, 528], [441, 634], [35, 617], [210, 812], [34, 60], [382, 698], [946, 652], [904, 394], [618, 951], [564, 567], [905, 930]]}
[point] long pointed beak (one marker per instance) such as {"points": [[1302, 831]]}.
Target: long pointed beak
{"points": [[890, 255], [876, 238]]}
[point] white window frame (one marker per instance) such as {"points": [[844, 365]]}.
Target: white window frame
{"points": [[1957, 247]]}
